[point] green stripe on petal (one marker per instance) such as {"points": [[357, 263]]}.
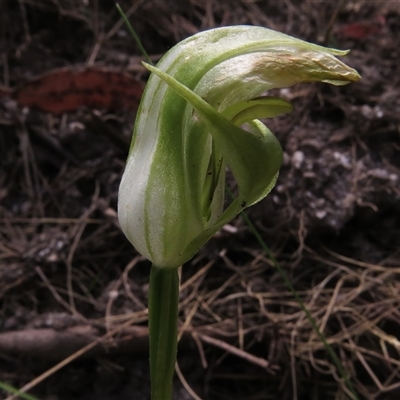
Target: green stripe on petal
{"points": [[254, 158], [171, 198]]}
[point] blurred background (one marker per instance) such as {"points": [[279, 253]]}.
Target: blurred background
{"points": [[70, 83]]}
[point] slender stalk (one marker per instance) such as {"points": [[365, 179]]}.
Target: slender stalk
{"points": [[16, 392], [133, 34], [163, 328]]}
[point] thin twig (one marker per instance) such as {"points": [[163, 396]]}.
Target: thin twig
{"points": [[263, 363]]}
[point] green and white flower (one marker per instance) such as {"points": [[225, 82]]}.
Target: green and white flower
{"points": [[189, 130]]}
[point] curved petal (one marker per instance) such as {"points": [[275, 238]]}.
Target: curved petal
{"points": [[172, 192]]}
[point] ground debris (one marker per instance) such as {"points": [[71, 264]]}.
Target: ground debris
{"points": [[332, 221]]}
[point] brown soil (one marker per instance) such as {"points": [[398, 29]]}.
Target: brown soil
{"points": [[70, 280]]}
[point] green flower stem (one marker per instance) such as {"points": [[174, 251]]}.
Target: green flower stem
{"points": [[16, 392], [163, 328]]}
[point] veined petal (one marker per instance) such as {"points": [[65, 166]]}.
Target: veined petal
{"points": [[171, 194]]}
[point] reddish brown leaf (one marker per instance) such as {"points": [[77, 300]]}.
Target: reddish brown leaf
{"points": [[67, 89], [362, 29]]}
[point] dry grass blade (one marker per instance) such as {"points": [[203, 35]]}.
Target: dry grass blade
{"points": [[332, 221], [234, 350]]}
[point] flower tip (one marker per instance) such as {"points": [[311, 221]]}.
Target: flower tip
{"points": [[148, 66]]}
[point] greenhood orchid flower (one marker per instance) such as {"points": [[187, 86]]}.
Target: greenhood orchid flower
{"points": [[198, 117]]}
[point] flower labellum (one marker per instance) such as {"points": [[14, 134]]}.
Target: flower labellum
{"points": [[199, 116]]}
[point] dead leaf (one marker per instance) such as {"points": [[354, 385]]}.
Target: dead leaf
{"points": [[67, 89], [362, 29]]}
